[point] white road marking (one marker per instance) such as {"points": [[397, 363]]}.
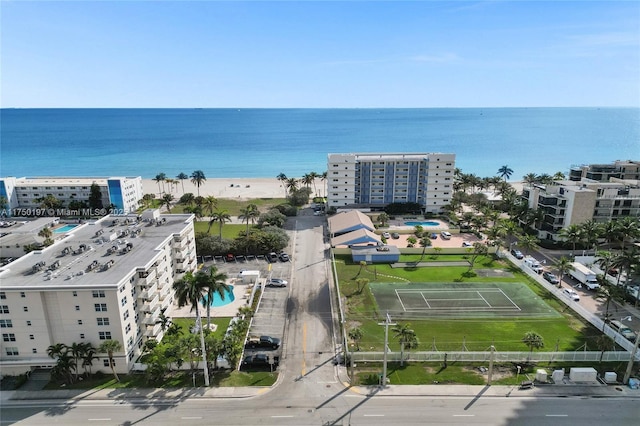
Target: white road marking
{"points": [[280, 417], [557, 415], [191, 418], [464, 415], [100, 420]]}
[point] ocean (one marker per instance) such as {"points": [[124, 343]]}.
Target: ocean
{"points": [[262, 143]]}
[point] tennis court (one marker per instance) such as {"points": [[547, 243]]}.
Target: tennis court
{"points": [[465, 300]]}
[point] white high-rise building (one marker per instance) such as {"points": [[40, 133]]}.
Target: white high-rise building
{"points": [[119, 195], [372, 181], [107, 279]]}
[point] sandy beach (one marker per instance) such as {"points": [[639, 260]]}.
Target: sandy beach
{"points": [[238, 188]]}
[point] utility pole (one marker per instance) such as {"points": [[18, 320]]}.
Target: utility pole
{"points": [[204, 349], [627, 374], [491, 366], [386, 324]]}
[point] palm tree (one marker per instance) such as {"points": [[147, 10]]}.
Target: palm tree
{"points": [[3, 205], [559, 176], [249, 214], [591, 231], [572, 234], [160, 177], [56, 350], [424, 243], [323, 179], [214, 282], [355, 334], [628, 229], [198, 178], [163, 320], [626, 261], [189, 291], [406, 337], [167, 199], [530, 178], [383, 218], [88, 357], [564, 265], [182, 177], [110, 347], [505, 172], [608, 294], [210, 204], [220, 216], [291, 184], [307, 179], [283, 179], [533, 340], [527, 242], [76, 350]]}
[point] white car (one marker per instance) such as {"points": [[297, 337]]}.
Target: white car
{"points": [[386, 235], [571, 294], [277, 282]]}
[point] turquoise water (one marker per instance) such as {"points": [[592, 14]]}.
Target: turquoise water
{"points": [[232, 143], [217, 301], [427, 223], [64, 229]]}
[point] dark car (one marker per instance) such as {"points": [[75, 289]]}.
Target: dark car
{"points": [[284, 257], [433, 236], [550, 277], [263, 342], [272, 257], [259, 361], [395, 235], [517, 254], [277, 282]]}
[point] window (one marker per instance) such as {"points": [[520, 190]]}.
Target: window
{"points": [[31, 337], [4, 309], [34, 350], [104, 335], [22, 294], [75, 294], [100, 307], [127, 329], [11, 351], [8, 337], [126, 314], [25, 308], [98, 293], [103, 321], [105, 362], [79, 322], [28, 323], [6, 323], [77, 307], [82, 335], [123, 301], [3, 295]]}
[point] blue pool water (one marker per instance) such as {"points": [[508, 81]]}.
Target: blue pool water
{"points": [[427, 223], [217, 301], [64, 229]]}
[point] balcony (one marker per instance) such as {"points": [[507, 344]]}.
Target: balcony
{"points": [[148, 307], [148, 292], [153, 331], [151, 318]]}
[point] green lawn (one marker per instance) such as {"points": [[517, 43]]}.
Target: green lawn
{"points": [[567, 332], [234, 207]]}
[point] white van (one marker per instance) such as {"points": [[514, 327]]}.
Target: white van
{"points": [[445, 235]]}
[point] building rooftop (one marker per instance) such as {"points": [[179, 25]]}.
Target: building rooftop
{"points": [[100, 253]]}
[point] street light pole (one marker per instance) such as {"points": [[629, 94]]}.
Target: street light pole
{"points": [[627, 373], [386, 324]]}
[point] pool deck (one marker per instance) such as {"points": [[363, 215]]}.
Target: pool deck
{"points": [[241, 292]]}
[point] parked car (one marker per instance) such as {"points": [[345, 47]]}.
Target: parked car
{"points": [[395, 235], [445, 235], [466, 244], [272, 257], [386, 235], [550, 277], [262, 342], [571, 294], [433, 236], [284, 257], [626, 332], [517, 254], [277, 282], [259, 361]]}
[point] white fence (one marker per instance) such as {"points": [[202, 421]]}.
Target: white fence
{"points": [[467, 356]]}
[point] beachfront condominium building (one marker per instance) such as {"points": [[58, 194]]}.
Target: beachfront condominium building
{"points": [[107, 279], [372, 181], [603, 172], [118, 195], [565, 203]]}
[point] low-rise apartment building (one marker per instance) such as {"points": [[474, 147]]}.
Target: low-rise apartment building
{"points": [[628, 170], [372, 181], [119, 195], [566, 203], [108, 279]]}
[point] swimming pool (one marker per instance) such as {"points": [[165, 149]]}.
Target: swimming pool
{"points": [[425, 223], [217, 301], [64, 229]]}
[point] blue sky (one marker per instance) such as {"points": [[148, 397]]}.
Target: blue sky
{"points": [[319, 54]]}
